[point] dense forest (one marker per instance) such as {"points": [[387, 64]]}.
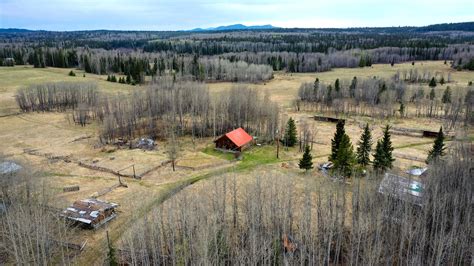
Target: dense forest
{"points": [[228, 55]]}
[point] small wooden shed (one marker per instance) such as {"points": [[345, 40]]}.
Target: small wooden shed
{"points": [[328, 119], [236, 140], [90, 213]]}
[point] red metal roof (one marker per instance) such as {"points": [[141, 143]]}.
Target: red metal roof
{"points": [[239, 137]]}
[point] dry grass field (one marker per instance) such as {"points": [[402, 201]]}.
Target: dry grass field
{"points": [[54, 146], [12, 78], [284, 87]]}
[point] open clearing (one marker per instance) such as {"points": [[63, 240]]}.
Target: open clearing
{"points": [[55, 147], [284, 87]]}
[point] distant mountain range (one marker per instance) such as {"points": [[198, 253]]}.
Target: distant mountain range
{"points": [[237, 27], [462, 26]]}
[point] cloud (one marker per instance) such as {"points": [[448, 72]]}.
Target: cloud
{"points": [[187, 14]]}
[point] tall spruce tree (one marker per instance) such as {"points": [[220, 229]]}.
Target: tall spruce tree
{"points": [[438, 147], [383, 158], [364, 147], [329, 95], [362, 62], [447, 95], [290, 133], [353, 87], [379, 157], [337, 85], [432, 83], [345, 159], [307, 161], [432, 94], [340, 131]]}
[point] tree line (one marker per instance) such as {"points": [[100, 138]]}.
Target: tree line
{"points": [[345, 161], [352, 58], [59, 96], [387, 98], [190, 108], [299, 41], [292, 52]]}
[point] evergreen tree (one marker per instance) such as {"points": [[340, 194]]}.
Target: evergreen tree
{"points": [[72, 74], [442, 81], [383, 158], [438, 147], [307, 161], [432, 83], [368, 61], [329, 95], [364, 147], [155, 67], [87, 64], [447, 95], [379, 156], [345, 158], [340, 131], [362, 61], [316, 84], [290, 133], [337, 85], [292, 67], [129, 79], [432, 94], [353, 87], [108, 77]]}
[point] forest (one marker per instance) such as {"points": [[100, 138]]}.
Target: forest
{"points": [[224, 56], [280, 146]]}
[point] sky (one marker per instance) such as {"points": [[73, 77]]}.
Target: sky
{"points": [[186, 14]]}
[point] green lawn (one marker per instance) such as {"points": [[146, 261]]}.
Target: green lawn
{"points": [[213, 152], [258, 156]]}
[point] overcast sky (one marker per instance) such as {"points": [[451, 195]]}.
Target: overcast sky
{"points": [[186, 14]]}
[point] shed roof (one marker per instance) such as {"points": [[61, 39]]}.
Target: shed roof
{"points": [[87, 210], [402, 188], [239, 137]]}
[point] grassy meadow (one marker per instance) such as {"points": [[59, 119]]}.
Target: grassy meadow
{"points": [[35, 138]]}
